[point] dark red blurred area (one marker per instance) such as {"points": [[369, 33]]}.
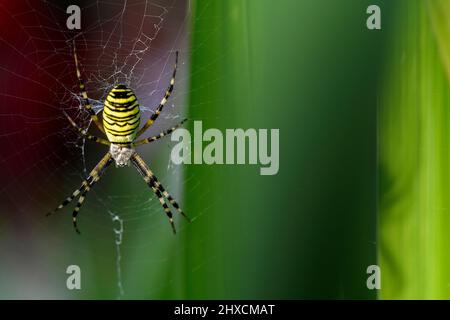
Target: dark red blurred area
{"points": [[30, 80]]}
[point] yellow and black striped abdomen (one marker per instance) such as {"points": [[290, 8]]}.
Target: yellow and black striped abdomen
{"points": [[121, 115]]}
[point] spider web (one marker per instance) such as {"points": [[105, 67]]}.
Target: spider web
{"points": [[43, 160]]}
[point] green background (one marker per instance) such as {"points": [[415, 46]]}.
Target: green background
{"points": [[311, 69], [414, 155]]}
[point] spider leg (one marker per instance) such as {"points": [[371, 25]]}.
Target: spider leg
{"points": [[154, 181], [96, 178], [81, 201], [161, 200], [77, 209], [163, 101], [157, 188], [159, 136], [86, 104], [164, 205], [93, 177], [69, 199], [167, 195], [84, 134]]}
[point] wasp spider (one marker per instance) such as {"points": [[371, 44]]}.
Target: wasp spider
{"points": [[121, 118]]}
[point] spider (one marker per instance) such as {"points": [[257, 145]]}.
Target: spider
{"points": [[121, 119]]}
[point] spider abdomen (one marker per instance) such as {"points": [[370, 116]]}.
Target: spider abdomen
{"points": [[121, 115]]}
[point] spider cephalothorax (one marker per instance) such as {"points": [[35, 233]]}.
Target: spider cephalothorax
{"points": [[121, 119], [121, 153]]}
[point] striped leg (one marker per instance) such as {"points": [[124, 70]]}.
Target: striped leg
{"points": [[162, 134], [93, 177], [157, 188], [73, 196], [86, 104], [142, 170], [84, 133], [161, 189], [77, 209], [164, 205], [163, 101]]}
